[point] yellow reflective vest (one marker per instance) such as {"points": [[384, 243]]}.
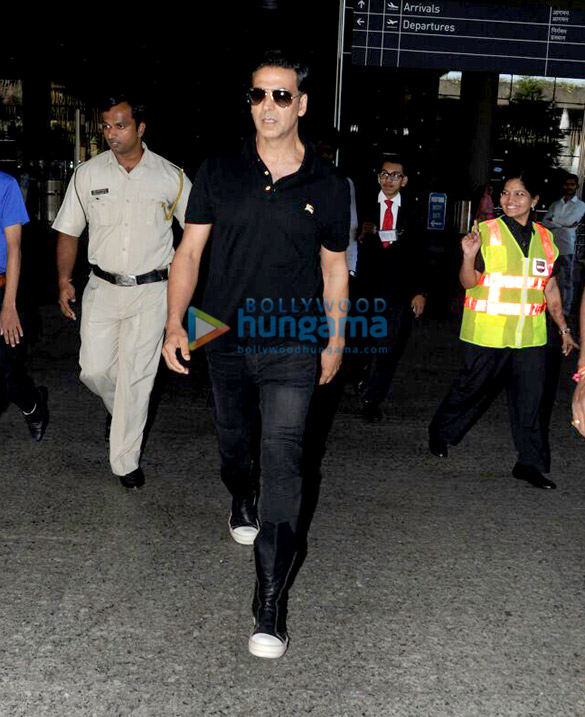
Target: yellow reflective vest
{"points": [[507, 306]]}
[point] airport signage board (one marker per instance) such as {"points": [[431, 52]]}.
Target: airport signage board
{"points": [[528, 40], [437, 211]]}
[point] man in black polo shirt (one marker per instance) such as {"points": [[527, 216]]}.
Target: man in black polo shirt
{"points": [[278, 217]]}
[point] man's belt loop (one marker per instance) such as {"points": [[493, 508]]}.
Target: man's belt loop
{"points": [[131, 279]]}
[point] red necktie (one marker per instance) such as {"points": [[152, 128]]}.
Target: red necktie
{"points": [[388, 222]]}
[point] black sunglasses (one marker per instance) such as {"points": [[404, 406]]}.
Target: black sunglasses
{"points": [[282, 98]]}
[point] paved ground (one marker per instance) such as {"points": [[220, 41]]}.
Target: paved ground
{"points": [[431, 588]]}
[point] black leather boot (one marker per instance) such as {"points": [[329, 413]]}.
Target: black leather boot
{"points": [[275, 551], [243, 522]]}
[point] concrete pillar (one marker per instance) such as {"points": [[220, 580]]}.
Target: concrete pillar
{"points": [[479, 99], [36, 110]]}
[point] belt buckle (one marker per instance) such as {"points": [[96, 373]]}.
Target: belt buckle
{"points": [[126, 280]]}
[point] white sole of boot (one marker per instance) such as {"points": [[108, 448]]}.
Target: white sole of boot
{"points": [[267, 646], [244, 535]]}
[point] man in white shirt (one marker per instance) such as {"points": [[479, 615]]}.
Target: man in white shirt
{"points": [[562, 218], [128, 197]]}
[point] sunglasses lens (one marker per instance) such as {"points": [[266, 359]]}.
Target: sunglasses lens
{"points": [[256, 95], [283, 98]]}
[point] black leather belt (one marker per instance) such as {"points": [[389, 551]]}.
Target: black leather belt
{"points": [[131, 279]]}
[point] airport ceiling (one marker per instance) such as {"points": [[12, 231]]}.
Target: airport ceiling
{"points": [[171, 46], [205, 42]]}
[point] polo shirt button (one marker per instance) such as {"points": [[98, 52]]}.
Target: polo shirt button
{"points": [[268, 188]]}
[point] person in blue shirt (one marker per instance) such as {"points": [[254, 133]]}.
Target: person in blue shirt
{"points": [[20, 389]]}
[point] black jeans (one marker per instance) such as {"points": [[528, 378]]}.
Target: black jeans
{"points": [[485, 371], [279, 380], [18, 385]]}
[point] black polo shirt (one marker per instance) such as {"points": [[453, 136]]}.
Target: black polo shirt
{"points": [[266, 239]]}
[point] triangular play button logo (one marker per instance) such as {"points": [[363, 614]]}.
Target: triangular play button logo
{"points": [[203, 328]]}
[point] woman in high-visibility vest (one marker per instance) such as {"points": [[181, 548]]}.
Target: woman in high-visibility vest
{"points": [[508, 287]]}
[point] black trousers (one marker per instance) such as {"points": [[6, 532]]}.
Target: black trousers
{"points": [[17, 383], [279, 381], [485, 372], [388, 352]]}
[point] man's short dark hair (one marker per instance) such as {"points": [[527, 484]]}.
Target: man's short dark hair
{"points": [[574, 177], [277, 58], [138, 109], [393, 159]]}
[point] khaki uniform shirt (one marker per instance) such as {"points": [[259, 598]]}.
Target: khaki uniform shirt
{"points": [[128, 230]]}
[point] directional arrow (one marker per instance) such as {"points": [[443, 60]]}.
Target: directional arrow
{"points": [[360, 21], [361, 3]]}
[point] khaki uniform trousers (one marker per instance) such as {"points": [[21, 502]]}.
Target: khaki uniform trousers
{"points": [[121, 337]]}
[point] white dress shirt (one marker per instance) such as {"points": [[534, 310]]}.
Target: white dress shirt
{"points": [[560, 218]]}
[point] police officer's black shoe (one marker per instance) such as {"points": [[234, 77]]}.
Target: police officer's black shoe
{"points": [[532, 476], [371, 412], [39, 418], [437, 446], [133, 480]]}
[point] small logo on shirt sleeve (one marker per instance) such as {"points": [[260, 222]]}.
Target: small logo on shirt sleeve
{"points": [[309, 208]]}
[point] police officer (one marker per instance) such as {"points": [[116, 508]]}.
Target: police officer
{"points": [[128, 196]]}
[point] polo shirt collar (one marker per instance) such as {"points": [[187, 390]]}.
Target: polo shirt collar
{"points": [[251, 154]]}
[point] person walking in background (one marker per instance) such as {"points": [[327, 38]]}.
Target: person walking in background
{"points": [[485, 206], [391, 266], [562, 218], [20, 389]]}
